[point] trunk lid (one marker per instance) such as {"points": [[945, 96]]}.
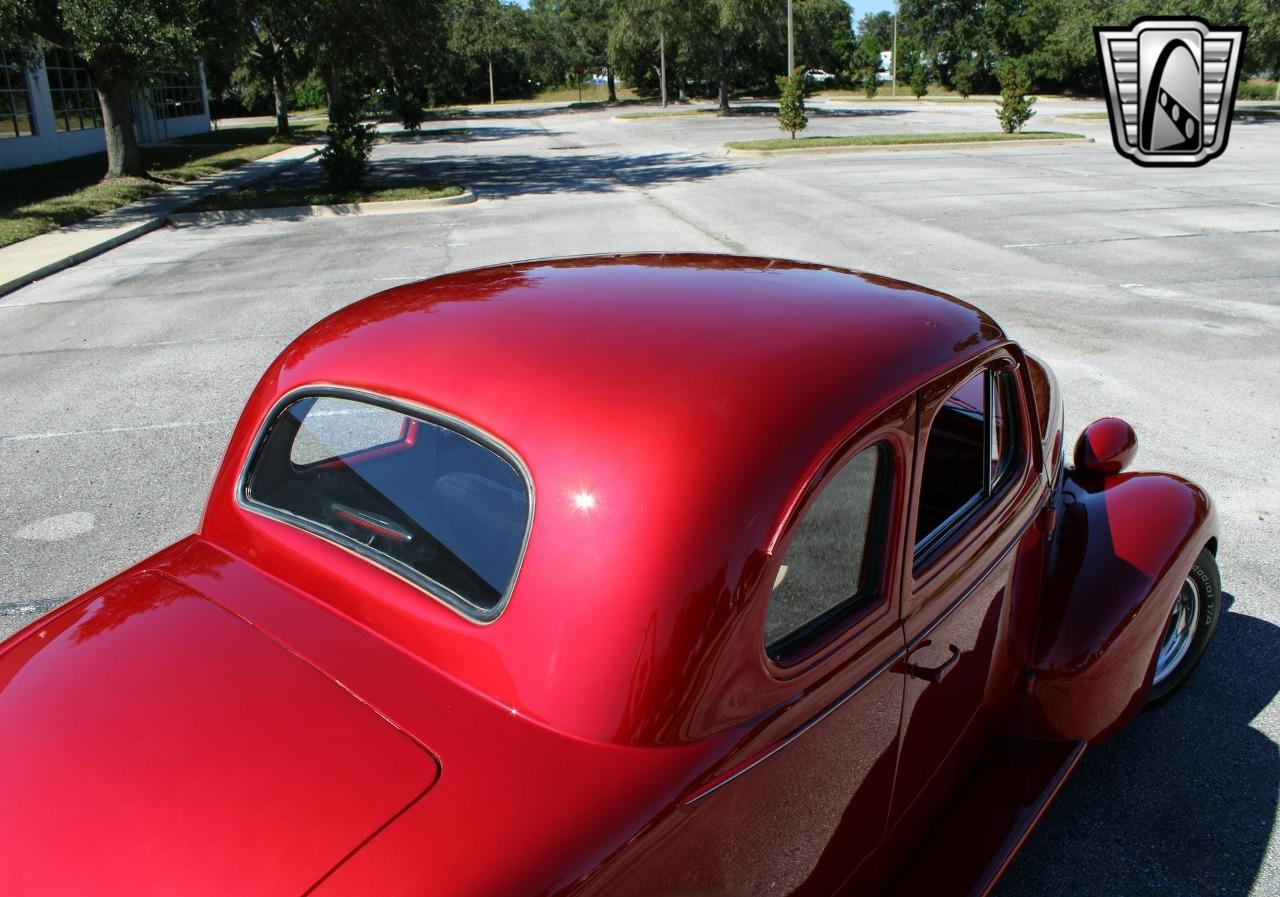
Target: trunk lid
{"points": [[154, 743]]}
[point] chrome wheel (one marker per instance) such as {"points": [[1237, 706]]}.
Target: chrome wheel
{"points": [[1180, 631]]}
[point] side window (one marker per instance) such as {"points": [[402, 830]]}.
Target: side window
{"points": [[830, 566], [437, 506], [970, 452]]}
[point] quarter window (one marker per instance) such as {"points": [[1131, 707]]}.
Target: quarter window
{"points": [[829, 567], [969, 454], [438, 506]]}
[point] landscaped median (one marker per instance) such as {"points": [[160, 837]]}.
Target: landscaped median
{"points": [[662, 113], [304, 202], [869, 142]]}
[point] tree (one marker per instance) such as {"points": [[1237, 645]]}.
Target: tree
{"points": [[962, 75], [919, 79], [347, 152], [1014, 107], [880, 25], [791, 115], [275, 34], [485, 30], [866, 62], [119, 43], [824, 35], [644, 29], [587, 25], [1263, 44]]}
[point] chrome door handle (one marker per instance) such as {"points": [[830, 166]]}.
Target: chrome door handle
{"points": [[932, 674]]}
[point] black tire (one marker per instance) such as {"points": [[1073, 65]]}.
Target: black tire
{"points": [[1208, 583]]}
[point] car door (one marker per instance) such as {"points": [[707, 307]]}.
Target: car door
{"points": [[974, 493], [802, 803]]}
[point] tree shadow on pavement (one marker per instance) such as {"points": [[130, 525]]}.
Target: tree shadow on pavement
{"points": [[1180, 803], [523, 175]]}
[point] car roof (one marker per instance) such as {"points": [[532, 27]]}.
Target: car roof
{"points": [[667, 407], [675, 337]]}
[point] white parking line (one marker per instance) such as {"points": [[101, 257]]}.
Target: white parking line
{"points": [[175, 425]]}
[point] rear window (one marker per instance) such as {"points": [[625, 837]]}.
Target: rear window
{"points": [[437, 505]]}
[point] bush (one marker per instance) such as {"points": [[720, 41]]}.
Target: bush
{"points": [[919, 80], [963, 76], [791, 115], [310, 93], [411, 114], [1014, 106], [1256, 90], [350, 143]]}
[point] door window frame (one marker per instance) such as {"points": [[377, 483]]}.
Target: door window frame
{"points": [[846, 635], [971, 518]]}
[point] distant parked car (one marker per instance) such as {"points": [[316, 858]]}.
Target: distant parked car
{"points": [[810, 601], [818, 76]]}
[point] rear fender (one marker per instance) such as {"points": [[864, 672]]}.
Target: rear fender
{"points": [[1122, 546]]}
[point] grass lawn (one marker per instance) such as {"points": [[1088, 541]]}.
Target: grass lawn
{"points": [[786, 143], [280, 197], [591, 93], [935, 93], [41, 198]]}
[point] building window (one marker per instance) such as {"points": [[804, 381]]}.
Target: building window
{"points": [[75, 102], [15, 99], [175, 94]]}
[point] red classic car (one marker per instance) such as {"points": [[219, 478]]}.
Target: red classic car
{"points": [[656, 574]]}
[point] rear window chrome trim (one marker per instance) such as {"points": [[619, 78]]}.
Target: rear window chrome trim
{"points": [[433, 589]]}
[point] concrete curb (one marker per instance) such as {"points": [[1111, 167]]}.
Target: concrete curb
{"points": [[118, 238], [287, 213], [47, 257], [904, 147]]}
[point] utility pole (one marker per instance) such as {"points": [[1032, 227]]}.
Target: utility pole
{"points": [[791, 43], [894, 61]]}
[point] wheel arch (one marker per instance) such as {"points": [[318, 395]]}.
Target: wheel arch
{"points": [[1122, 546]]}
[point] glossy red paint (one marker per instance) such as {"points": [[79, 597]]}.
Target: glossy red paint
{"points": [[619, 728], [1106, 446], [1124, 545]]}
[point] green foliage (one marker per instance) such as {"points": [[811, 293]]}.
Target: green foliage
{"points": [[411, 113], [824, 36], [791, 115], [880, 25], [919, 80], [1014, 107], [963, 75], [866, 62], [1256, 90], [310, 93], [350, 143]]}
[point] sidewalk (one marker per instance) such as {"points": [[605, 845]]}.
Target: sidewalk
{"points": [[24, 262]]}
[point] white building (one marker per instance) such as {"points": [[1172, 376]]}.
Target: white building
{"points": [[51, 112], [886, 67]]}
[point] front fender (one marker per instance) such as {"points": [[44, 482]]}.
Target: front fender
{"points": [[1122, 546]]}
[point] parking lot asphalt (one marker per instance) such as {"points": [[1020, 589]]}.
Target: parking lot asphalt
{"points": [[1154, 294]]}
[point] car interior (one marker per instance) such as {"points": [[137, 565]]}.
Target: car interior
{"points": [[431, 499]]}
